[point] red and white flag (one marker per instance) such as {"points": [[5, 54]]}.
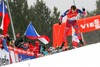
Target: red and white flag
{"points": [[5, 18]]}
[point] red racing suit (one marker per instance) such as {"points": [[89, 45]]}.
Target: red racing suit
{"points": [[72, 21]]}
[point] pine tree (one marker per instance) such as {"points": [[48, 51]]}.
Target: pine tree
{"points": [[98, 7], [19, 12], [95, 12]]}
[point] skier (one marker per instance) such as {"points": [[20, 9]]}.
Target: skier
{"points": [[72, 15]]}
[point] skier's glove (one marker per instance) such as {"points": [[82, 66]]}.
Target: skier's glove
{"points": [[59, 23], [83, 9]]}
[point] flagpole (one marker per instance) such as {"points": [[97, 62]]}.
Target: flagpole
{"points": [[74, 2], [11, 20]]}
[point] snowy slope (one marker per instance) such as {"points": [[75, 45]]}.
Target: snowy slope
{"points": [[88, 56]]}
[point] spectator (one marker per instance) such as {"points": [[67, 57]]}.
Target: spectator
{"points": [[12, 43], [25, 46], [4, 43], [19, 42], [37, 49], [44, 50], [31, 47]]}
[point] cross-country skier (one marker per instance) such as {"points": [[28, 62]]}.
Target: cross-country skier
{"points": [[72, 14]]}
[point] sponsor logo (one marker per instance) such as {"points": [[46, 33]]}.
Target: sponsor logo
{"points": [[95, 24]]}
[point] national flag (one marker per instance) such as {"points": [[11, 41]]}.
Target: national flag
{"points": [[75, 40], [5, 17], [31, 33]]}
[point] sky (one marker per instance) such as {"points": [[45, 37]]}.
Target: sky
{"points": [[63, 5]]}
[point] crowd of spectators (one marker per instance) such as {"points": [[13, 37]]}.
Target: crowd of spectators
{"points": [[36, 47]]}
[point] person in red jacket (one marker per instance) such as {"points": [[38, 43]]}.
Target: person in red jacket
{"points": [[72, 14], [37, 49], [31, 47]]}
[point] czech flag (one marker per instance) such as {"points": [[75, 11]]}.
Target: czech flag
{"points": [[31, 33], [5, 18]]}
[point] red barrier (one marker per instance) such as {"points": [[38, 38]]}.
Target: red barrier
{"points": [[20, 51], [58, 34]]}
